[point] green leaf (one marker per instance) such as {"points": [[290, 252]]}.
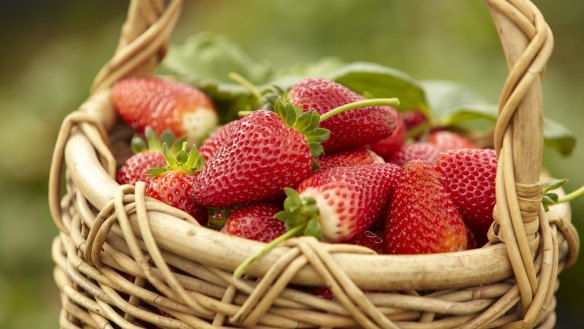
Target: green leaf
{"points": [[453, 104], [553, 184], [324, 68], [558, 137], [208, 56], [456, 105], [379, 81]]}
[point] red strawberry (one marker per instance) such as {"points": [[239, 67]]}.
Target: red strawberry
{"points": [[137, 167], [164, 104], [261, 156], [348, 130], [447, 140], [217, 138], [174, 183], [336, 204], [323, 292], [342, 202], [413, 119], [469, 176], [422, 217], [370, 240], [418, 151], [349, 158], [385, 147], [255, 222], [147, 156]]}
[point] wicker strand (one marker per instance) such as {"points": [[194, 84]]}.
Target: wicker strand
{"points": [[69, 124], [520, 99], [143, 41]]}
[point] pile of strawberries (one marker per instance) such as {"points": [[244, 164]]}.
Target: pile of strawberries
{"points": [[291, 169]]}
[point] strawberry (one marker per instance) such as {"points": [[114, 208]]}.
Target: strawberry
{"points": [[418, 151], [370, 240], [262, 155], [335, 205], [386, 146], [413, 119], [173, 184], [447, 140], [349, 158], [469, 176], [147, 156], [348, 130], [138, 166], [255, 222], [164, 104], [323, 292], [217, 138], [339, 204], [422, 217]]}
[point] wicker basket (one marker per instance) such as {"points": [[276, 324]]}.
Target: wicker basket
{"points": [[183, 272]]}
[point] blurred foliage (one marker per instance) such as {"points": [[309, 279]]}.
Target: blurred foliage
{"points": [[52, 50]]}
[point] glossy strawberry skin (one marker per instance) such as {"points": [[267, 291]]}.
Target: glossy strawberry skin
{"points": [[386, 146], [175, 188], [349, 158], [469, 176], [255, 222], [350, 199], [350, 129], [261, 157], [422, 218], [447, 140], [137, 167], [418, 151], [217, 138], [164, 104]]}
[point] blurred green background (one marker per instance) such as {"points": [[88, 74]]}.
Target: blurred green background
{"points": [[52, 50]]}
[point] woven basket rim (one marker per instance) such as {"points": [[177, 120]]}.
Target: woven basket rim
{"points": [[491, 262]]}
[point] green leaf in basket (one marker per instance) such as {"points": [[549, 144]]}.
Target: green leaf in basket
{"points": [[208, 56], [456, 105], [378, 81], [558, 137], [453, 103], [324, 68]]}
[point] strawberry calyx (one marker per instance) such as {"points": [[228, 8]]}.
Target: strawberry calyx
{"points": [[301, 217], [549, 199], [189, 162], [300, 212], [154, 142], [305, 123], [218, 217]]}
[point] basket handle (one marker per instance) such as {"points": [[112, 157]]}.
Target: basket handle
{"points": [[143, 42], [142, 45], [527, 42]]}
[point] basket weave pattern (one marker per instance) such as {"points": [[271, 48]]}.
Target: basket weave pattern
{"points": [[122, 258]]}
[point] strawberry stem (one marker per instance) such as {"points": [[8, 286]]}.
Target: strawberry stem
{"points": [[573, 195], [244, 113], [358, 104], [242, 268], [247, 84]]}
